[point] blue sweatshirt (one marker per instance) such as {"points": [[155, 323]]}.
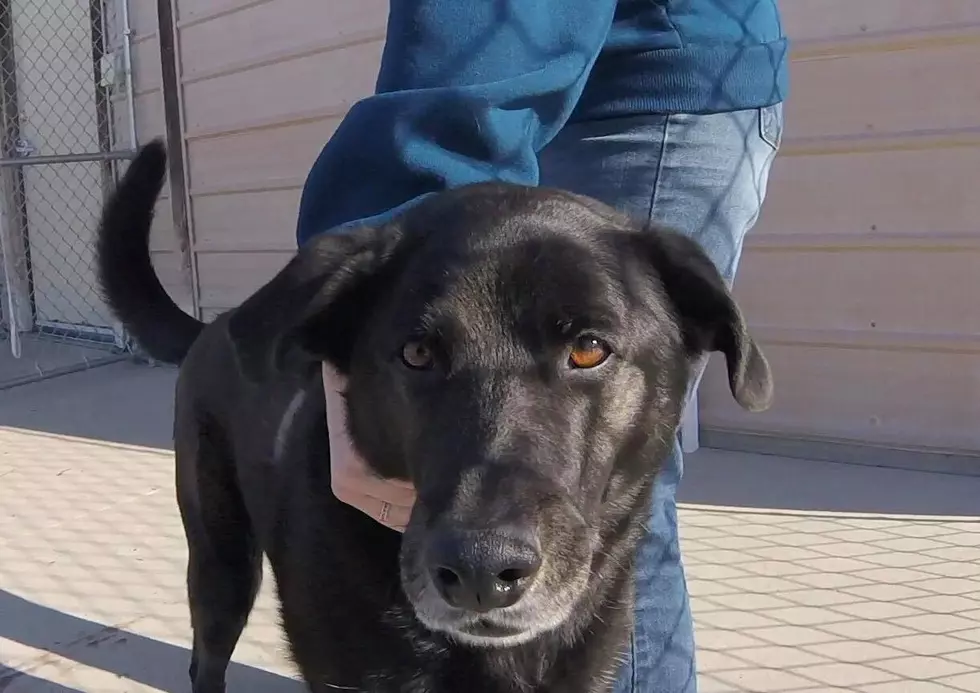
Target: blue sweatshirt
{"points": [[472, 90]]}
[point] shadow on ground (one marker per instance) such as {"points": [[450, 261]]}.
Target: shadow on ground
{"points": [[123, 402], [10, 677], [750, 481], [125, 654]]}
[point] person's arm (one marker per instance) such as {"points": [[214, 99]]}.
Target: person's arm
{"points": [[468, 91]]}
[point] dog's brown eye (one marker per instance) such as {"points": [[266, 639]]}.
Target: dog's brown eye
{"points": [[418, 355], [588, 352]]}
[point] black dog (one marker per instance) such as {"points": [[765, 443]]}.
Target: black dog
{"points": [[520, 354]]}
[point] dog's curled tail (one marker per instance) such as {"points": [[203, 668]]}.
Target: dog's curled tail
{"points": [[128, 281]]}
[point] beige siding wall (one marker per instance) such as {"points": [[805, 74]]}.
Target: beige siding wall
{"points": [[862, 278], [264, 84]]}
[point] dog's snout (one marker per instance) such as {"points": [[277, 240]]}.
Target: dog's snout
{"points": [[483, 570]]}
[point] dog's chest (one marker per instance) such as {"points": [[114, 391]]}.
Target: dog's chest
{"points": [[471, 672], [398, 655]]}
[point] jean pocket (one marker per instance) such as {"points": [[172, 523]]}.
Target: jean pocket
{"points": [[771, 124]]}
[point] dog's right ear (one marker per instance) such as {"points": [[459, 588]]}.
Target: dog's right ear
{"points": [[317, 303]]}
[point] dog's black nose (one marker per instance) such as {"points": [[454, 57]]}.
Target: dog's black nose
{"points": [[480, 571]]}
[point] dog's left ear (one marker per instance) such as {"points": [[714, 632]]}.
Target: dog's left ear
{"points": [[315, 306], [709, 316]]}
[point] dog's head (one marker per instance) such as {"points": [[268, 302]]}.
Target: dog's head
{"points": [[522, 356]]}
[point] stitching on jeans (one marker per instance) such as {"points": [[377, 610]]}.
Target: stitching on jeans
{"points": [[633, 688], [660, 168], [770, 127]]}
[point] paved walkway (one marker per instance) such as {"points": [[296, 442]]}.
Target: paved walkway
{"points": [[796, 587], [790, 602]]}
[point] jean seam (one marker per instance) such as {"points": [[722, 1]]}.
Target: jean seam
{"points": [[660, 168], [774, 139], [633, 687]]}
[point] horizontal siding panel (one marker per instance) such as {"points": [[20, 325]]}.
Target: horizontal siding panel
{"points": [[270, 28], [191, 11], [891, 291], [899, 399], [869, 193], [227, 279], [250, 221], [815, 20], [870, 338], [323, 81], [253, 157], [871, 94]]}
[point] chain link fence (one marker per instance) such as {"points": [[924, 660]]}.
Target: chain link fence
{"points": [[66, 113]]}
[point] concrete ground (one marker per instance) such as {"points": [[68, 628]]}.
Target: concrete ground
{"points": [[805, 576]]}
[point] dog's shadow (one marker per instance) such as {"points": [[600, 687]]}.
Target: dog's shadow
{"points": [[125, 654]]}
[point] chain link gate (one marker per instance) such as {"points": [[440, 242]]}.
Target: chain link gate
{"points": [[68, 126]]}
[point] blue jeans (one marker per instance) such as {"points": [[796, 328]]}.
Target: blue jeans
{"points": [[704, 175]]}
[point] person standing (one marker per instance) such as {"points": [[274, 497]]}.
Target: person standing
{"points": [[669, 110]]}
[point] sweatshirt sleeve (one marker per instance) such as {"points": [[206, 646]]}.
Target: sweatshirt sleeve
{"points": [[468, 91]]}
